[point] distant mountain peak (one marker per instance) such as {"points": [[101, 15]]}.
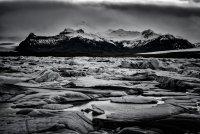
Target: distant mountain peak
{"points": [[147, 33], [80, 31], [67, 31], [120, 30], [120, 34], [70, 30], [31, 35]]}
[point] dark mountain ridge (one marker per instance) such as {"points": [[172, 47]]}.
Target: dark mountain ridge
{"points": [[78, 42]]}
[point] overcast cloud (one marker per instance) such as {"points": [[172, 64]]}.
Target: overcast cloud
{"points": [[178, 17]]}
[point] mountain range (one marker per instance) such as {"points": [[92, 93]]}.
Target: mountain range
{"points": [[109, 43]]}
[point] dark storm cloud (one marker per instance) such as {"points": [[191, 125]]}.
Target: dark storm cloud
{"points": [[18, 19], [196, 1], [182, 21], [155, 9], [10, 38], [6, 44], [24, 5], [21, 18], [179, 20]]}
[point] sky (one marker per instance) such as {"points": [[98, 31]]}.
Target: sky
{"points": [[49, 17]]}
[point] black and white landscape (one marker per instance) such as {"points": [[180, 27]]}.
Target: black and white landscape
{"points": [[99, 67]]}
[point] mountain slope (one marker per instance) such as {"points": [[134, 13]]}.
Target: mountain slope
{"points": [[157, 43], [67, 41]]}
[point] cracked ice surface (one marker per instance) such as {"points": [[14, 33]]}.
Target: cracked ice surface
{"points": [[88, 94]]}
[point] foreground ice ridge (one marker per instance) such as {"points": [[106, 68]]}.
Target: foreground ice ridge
{"points": [[93, 95]]}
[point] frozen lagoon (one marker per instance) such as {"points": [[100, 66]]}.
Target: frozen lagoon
{"points": [[56, 95]]}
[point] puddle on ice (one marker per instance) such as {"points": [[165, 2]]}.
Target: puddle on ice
{"points": [[110, 107]]}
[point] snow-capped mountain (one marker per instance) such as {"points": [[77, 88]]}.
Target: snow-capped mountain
{"points": [[155, 42], [68, 41], [197, 44], [147, 40], [130, 39], [80, 33], [110, 42], [162, 43]]}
